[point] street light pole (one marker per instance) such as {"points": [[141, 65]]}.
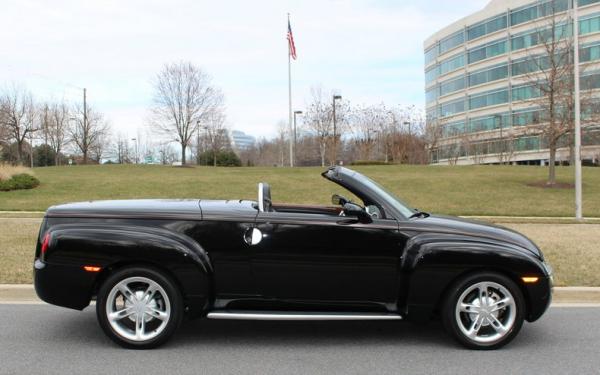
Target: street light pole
{"points": [[335, 97], [295, 135], [578, 187]]}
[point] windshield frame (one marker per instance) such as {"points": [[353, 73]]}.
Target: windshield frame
{"points": [[370, 192]]}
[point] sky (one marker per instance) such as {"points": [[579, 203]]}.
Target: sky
{"points": [[367, 51]]}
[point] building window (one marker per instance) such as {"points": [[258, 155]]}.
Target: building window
{"points": [[530, 65], [431, 54], [452, 64], [525, 92], [488, 99], [431, 95], [589, 53], [452, 86], [431, 74], [582, 3], [452, 41], [524, 118], [486, 27], [452, 108], [486, 123], [488, 75], [490, 50], [539, 10], [453, 129], [590, 81], [590, 25]]}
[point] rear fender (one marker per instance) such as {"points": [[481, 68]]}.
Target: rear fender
{"points": [[109, 246]]}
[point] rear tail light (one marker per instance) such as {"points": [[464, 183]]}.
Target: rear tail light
{"points": [[45, 243]]}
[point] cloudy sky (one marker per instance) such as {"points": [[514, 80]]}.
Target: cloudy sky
{"points": [[369, 51]]}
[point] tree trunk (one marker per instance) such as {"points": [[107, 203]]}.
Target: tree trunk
{"points": [[214, 158], [322, 155], [183, 147], [19, 152], [551, 164]]}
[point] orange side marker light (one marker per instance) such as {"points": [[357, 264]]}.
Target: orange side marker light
{"points": [[530, 279], [92, 268]]}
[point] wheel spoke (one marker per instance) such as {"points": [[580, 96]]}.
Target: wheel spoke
{"points": [[469, 308], [140, 326], [126, 292], [499, 305], [149, 293], [496, 324], [475, 326], [123, 313], [155, 313], [483, 292]]}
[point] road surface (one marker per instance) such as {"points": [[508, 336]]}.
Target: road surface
{"points": [[51, 340]]}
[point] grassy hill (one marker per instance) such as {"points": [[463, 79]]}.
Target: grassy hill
{"points": [[471, 190]]}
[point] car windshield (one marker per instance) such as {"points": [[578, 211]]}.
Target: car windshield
{"points": [[391, 199]]}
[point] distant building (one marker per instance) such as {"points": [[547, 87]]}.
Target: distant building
{"points": [[475, 86], [242, 141]]}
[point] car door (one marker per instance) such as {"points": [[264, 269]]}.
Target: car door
{"points": [[320, 261]]}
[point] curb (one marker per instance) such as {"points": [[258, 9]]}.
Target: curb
{"points": [[575, 295]]}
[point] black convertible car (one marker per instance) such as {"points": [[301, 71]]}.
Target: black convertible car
{"points": [[147, 263]]}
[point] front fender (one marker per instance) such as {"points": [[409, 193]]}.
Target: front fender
{"points": [[109, 246], [433, 262]]}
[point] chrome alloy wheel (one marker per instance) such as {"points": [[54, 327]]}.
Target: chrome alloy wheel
{"points": [[138, 309], [486, 312]]}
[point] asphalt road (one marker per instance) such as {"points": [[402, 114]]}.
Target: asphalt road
{"points": [[46, 339]]}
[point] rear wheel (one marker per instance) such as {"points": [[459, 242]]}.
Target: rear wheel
{"points": [[484, 311], [139, 307]]}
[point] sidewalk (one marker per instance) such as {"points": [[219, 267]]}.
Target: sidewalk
{"points": [[578, 295]]}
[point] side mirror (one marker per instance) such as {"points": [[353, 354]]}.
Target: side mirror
{"points": [[351, 209], [338, 200]]}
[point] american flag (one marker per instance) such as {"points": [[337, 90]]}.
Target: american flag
{"points": [[290, 38]]}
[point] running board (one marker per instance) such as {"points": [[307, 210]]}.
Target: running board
{"points": [[298, 315]]}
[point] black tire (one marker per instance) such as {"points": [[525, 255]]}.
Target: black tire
{"points": [[450, 319], [174, 301]]}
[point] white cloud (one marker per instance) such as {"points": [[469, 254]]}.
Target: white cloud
{"points": [[370, 51]]}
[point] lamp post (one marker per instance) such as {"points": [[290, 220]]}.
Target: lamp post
{"points": [[295, 135], [335, 97], [136, 149]]}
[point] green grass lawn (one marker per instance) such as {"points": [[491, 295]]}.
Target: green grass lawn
{"points": [[470, 190]]}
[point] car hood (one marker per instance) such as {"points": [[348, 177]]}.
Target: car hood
{"points": [[479, 229]]}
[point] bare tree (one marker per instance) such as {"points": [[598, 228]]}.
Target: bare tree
{"points": [[550, 75], [184, 97], [319, 121], [18, 117], [216, 135], [57, 129], [88, 132], [366, 125], [121, 150]]}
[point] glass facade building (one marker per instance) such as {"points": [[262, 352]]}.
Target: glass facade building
{"points": [[478, 81]]}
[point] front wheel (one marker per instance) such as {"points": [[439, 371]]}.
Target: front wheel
{"points": [[139, 307], [484, 311]]}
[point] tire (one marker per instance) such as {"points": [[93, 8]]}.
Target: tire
{"points": [[492, 314], [139, 307]]}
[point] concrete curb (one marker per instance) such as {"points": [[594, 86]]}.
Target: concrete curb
{"points": [[577, 295]]}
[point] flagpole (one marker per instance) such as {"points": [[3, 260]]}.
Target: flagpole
{"points": [[290, 99]]}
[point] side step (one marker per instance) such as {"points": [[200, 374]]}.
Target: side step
{"points": [[298, 315]]}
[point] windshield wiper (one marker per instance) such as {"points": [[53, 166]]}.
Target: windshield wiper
{"points": [[419, 214]]}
